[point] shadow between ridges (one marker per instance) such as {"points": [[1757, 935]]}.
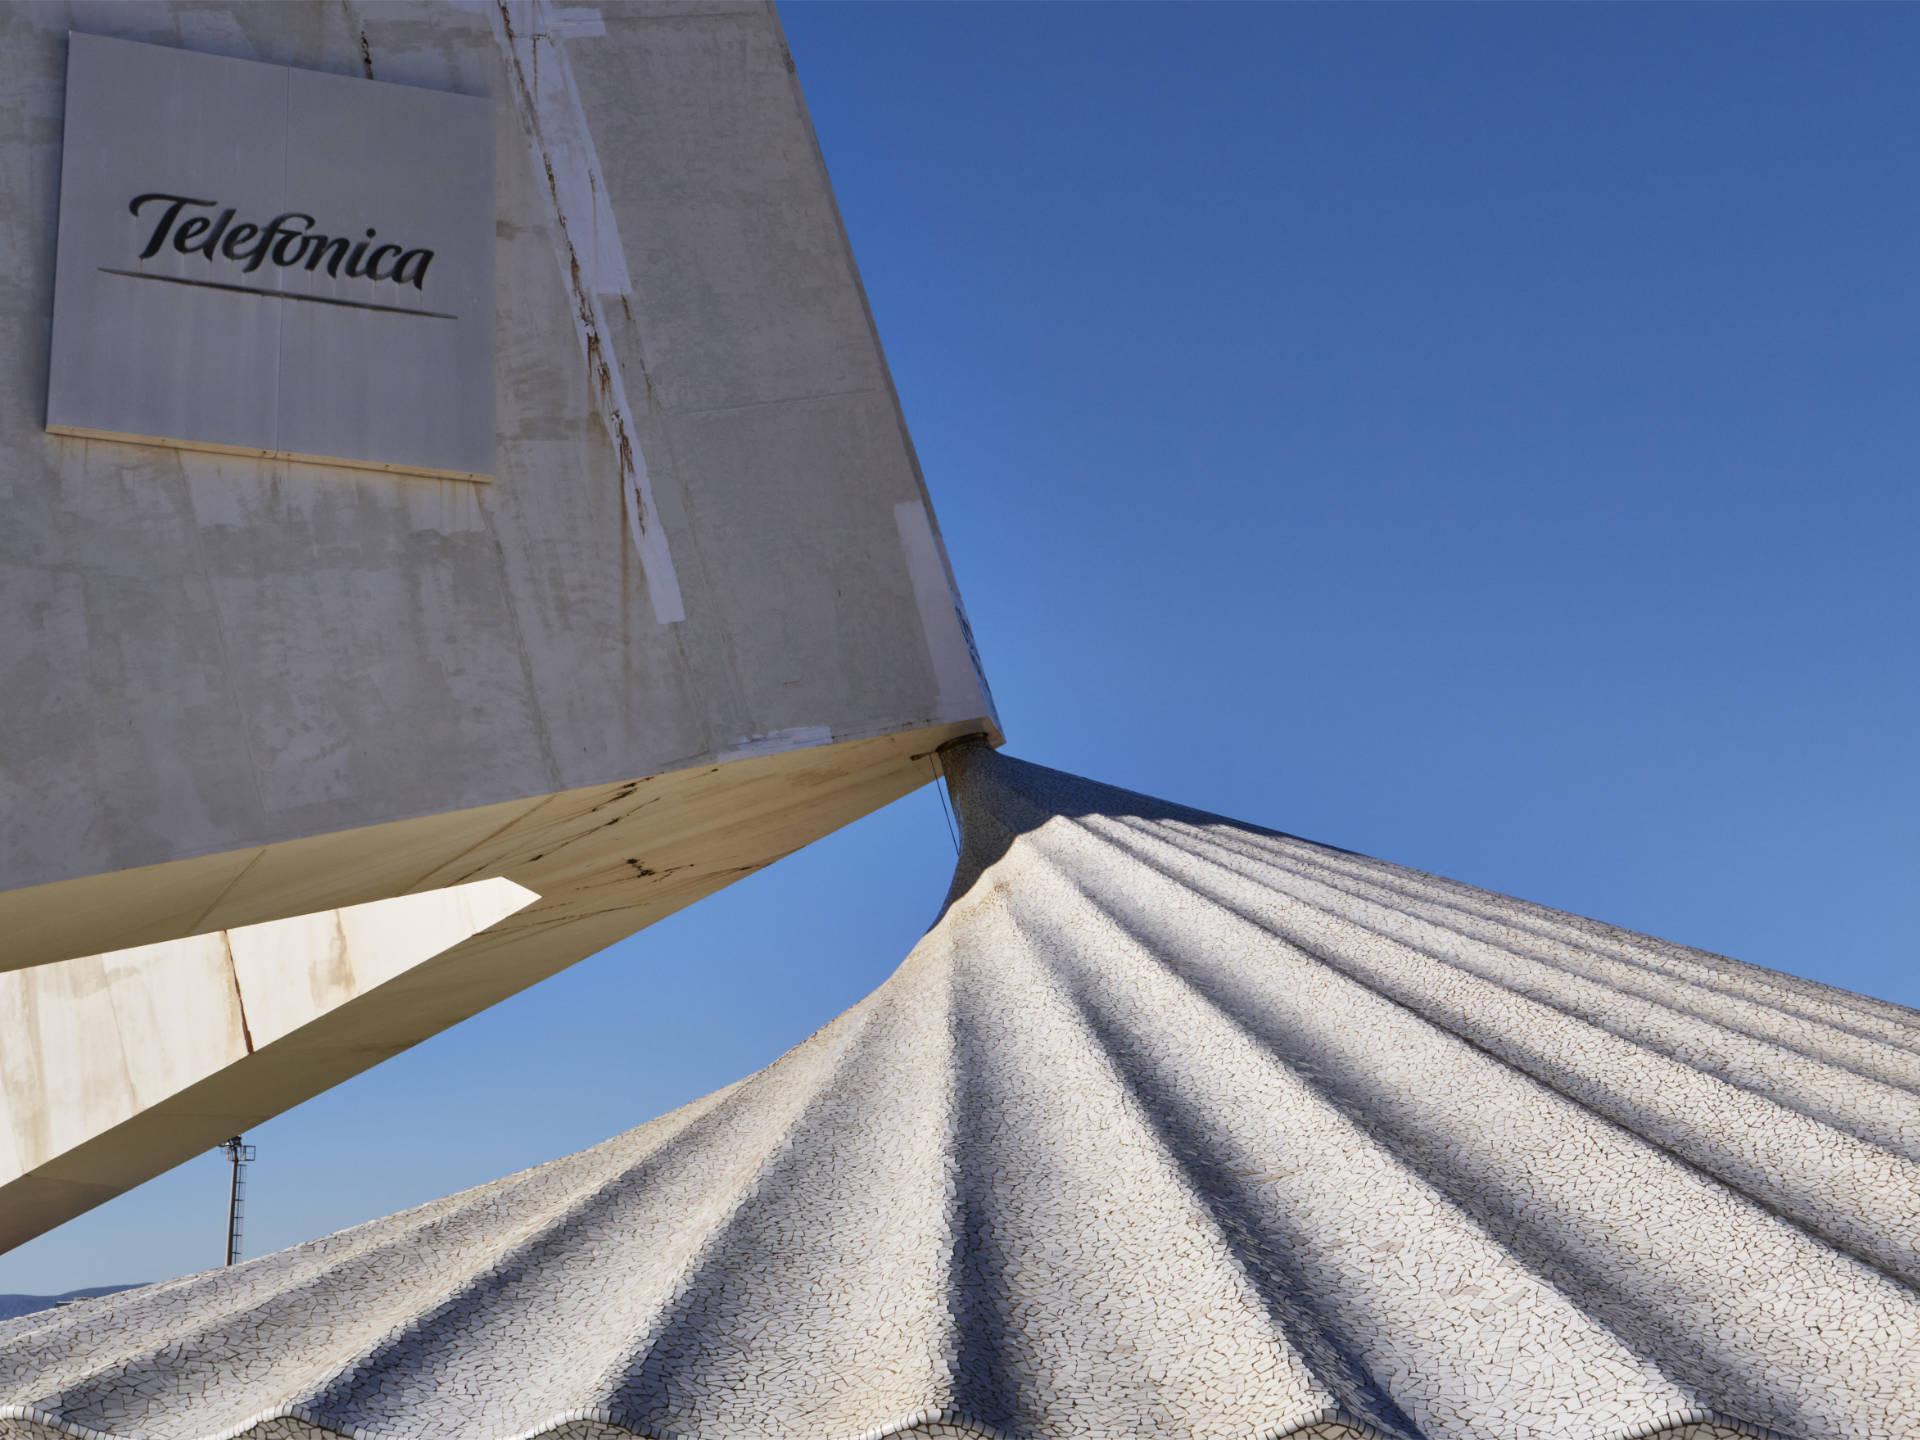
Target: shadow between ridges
{"points": [[1185, 1136]]}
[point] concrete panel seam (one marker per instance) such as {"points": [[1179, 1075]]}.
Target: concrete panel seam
{"points": [[239, 996], [200, 921], [562, 147], [806, 398]]}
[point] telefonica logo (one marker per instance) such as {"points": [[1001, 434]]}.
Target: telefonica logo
{"points": [[287, 240]]}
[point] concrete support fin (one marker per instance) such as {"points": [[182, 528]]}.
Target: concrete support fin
{"points": [[95, 1042], [115, 1067]]}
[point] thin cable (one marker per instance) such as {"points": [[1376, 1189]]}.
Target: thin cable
{"points": [[946, 809]]}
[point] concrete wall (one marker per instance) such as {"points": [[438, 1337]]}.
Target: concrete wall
{"points": [[205, 655], [239, 690]]}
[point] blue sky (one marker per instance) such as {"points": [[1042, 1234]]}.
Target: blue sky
{"points": [[1484, 437]]}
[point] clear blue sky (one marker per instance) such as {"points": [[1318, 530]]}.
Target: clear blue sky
{"points": [[1484, 437]]}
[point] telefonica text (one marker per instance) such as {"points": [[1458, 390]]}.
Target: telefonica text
{"points": [[287, 240]]}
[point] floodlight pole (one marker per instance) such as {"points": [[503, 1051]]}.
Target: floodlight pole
{"points": [[239, 1153]]}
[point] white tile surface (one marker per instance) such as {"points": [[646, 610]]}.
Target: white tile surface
{"points": [[1172, 1127]]}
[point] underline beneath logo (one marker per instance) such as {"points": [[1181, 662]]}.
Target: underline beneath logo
{"points": [[277, 294]]}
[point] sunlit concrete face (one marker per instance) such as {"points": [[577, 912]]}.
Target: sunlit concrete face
{"points": [[698, 615], [126, 1039]]}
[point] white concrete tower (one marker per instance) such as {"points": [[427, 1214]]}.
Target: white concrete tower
{"points": [[421, 626]]}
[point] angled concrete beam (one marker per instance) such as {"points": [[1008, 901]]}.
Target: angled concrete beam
{"points": [[116, 1067], [95, 1043]]}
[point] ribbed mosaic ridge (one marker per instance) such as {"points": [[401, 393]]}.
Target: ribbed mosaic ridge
{"points": [[1172, 1128]]}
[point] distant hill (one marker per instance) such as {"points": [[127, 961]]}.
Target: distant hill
{"points": [[14, 1306]]}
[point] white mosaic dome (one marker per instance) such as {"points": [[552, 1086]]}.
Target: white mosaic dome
{"points": [[1170, 1128]]}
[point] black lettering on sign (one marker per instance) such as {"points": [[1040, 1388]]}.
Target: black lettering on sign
{"points": [[285, 241]]}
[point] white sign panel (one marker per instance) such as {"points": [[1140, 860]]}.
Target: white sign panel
{"points": [[276, 262]]}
